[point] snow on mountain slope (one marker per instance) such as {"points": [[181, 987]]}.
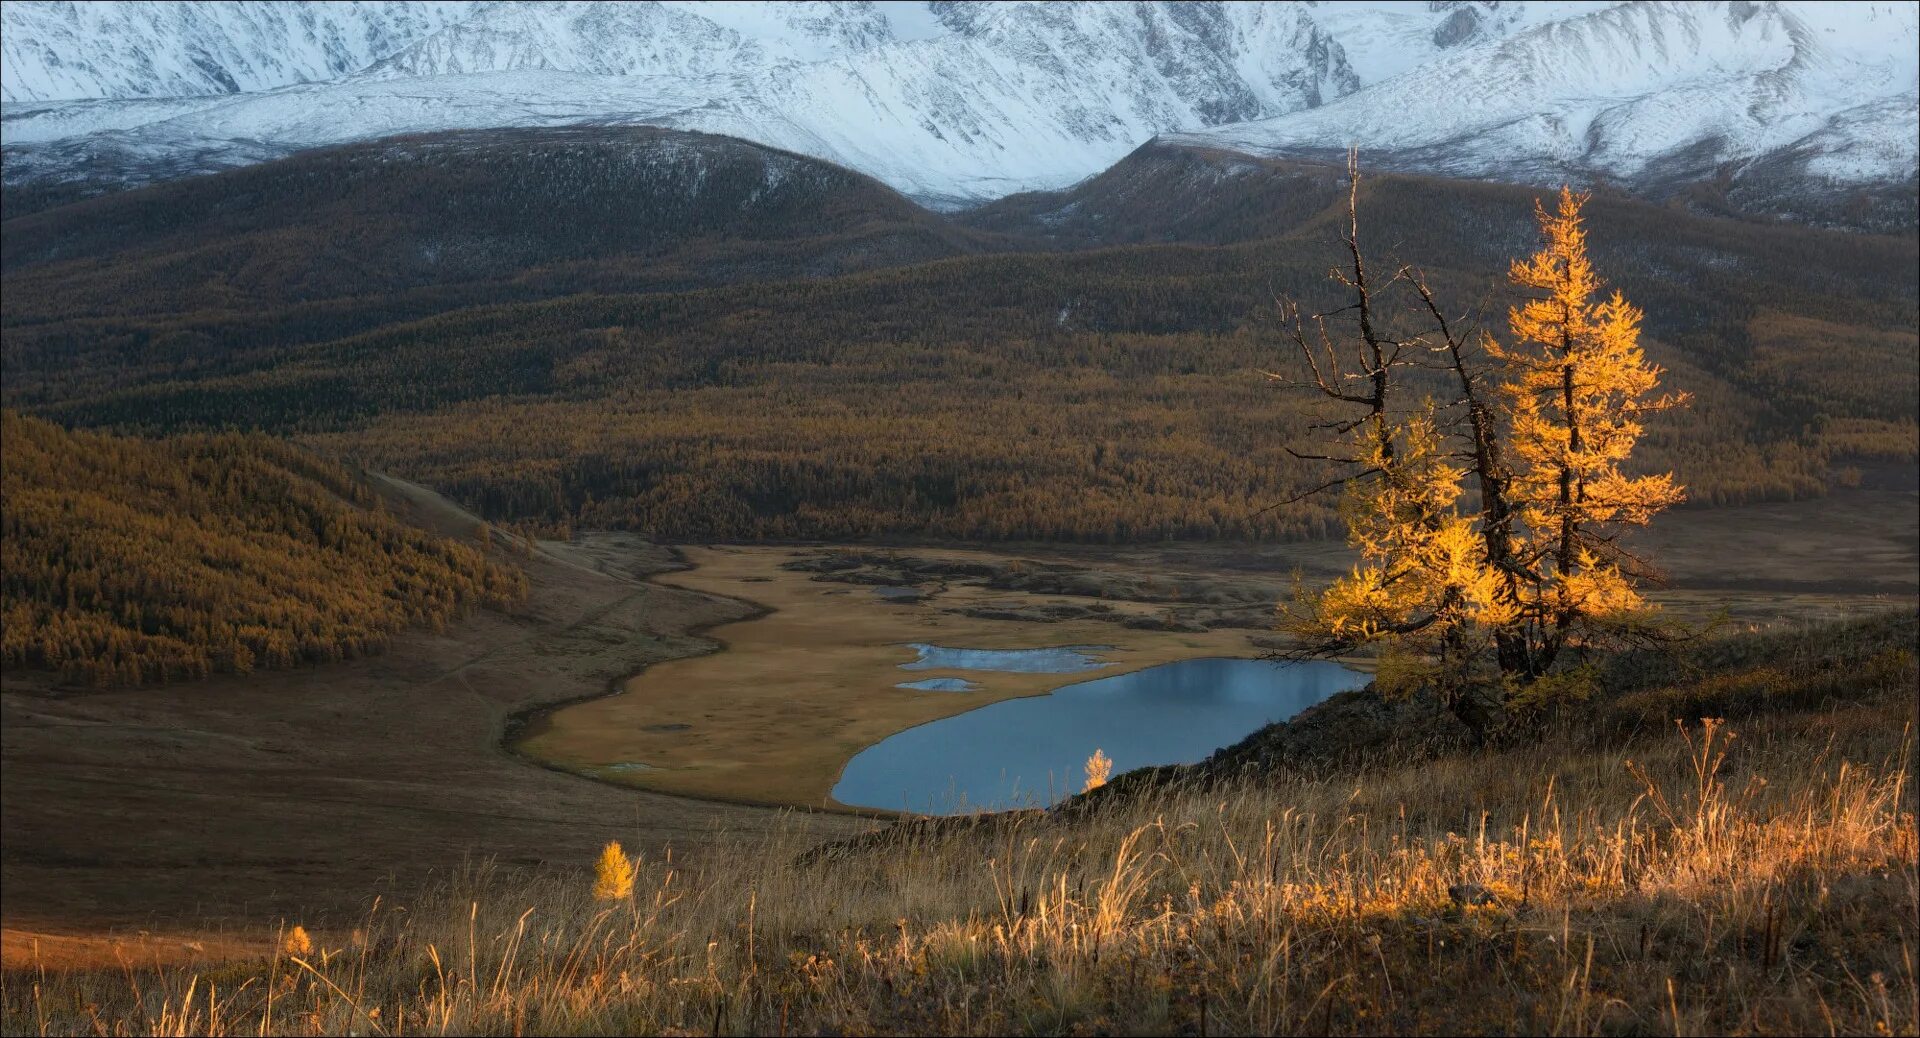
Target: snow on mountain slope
{"points": [[958, 102], [53, 50], [1870, 141], [40, 122], [1383, 38], [1008, 96], [607, 38], [1639, 92], [1019, 94], [1028, 95], [198, 136]]}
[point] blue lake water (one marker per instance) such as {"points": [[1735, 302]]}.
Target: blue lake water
{"points": [[939, 685], [1032, 752], [1058, 659]]}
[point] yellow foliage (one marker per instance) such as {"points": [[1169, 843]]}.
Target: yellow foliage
{"points": [[1423, 562], [1579, 385], [296, 942], [132, 561], [1099, 767], [1440, 580], [1399, 672], [613, 874]]}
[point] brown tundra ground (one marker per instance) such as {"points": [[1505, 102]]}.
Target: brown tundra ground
{"points": [[188, 823]]}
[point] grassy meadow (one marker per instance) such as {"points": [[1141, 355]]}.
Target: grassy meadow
{"points": [[1637, 870]]}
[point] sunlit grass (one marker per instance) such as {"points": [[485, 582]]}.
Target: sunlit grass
{"points": [[1750, 877]]}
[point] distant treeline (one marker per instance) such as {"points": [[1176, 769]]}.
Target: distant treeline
{"points": [[127, 561], [1102, 393]]}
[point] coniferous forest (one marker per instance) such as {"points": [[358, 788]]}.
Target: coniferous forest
{"points": [[594, 337], [630, 329], [567, 576], [130, 562]]}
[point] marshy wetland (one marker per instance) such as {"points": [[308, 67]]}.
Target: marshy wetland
{"points": [[848, 647], [376, 779], [797, 691]]}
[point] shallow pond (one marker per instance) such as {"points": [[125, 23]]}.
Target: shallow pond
{"points": [[939, 685], [1032, 752], [1058, 659]]}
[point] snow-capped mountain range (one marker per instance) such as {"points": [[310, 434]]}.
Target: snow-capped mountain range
{"points": [[960, 102]]}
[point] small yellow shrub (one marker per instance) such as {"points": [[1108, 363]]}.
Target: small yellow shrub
{"points": [[1099, 766], [296, 942], [613, 874]]}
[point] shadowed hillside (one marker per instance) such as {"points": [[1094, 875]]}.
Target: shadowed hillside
{"points": [[1099, 377], [1746, 876], [130, 562], [478, 215]]}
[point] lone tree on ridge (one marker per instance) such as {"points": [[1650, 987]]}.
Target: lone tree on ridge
{"points": [[1488, 520]]}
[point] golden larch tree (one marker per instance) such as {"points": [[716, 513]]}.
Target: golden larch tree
{"points": [[1476, 596], [1423, 577], [1099, 767], [1578, 386]]}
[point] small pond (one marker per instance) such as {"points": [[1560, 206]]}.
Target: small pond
{"points": [[939, 685], [1032, 752], [1058, 659]]}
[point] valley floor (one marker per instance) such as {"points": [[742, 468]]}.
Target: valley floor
{"points": [[808, 679], [185, 823], [800, 690], [1754, 876]]}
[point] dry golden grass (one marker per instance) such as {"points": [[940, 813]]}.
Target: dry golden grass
{"points": [[798, 691], [1700, 880], [179, 823]]}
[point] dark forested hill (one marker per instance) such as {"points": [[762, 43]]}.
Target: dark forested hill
{"points": [[718, 359], [130, 561], [480, 215], [1167, 191]]}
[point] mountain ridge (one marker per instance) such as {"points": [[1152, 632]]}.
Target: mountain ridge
{"points": [[1653, 98], [464, 216], [989, 100], [498, 314]]}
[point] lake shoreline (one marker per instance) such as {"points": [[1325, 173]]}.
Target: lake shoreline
{"points": [[801, 621]]}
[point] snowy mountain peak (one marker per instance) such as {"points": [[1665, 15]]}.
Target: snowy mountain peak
{"points": [[52, 50], [1646, 94], [620, 38], [957, 102]]}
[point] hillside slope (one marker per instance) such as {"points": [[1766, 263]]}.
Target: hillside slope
{"points": [[1751, 876], [506, 213], [1110, 390], [58, 50], [129, 562], [1808, 110]]}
